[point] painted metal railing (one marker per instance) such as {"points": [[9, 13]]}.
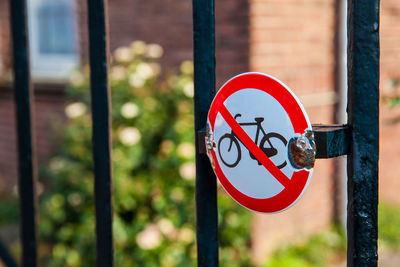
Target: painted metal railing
{"points": [[359, 139], [101, 105], [204, 83], [23, 93], [100, 95], [363, 120]]}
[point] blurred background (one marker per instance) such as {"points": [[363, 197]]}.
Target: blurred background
{"points": [[302, 43]]}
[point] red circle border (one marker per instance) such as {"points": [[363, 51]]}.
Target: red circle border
{"points": [[300, 179]]}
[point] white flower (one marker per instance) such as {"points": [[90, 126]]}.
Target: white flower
{"points": [[186, 150], [154, 51], [129, 136], [187, 171], [149, 238], [166, 226], [136, 80], [186, 235], [118, 73], [156, 68], [166, 147], [144, 70], [123, 54], [56, 164], [75, 110], [76, 78], [129, 110], [187, 67], [75, 199], [139, 47], [188, 89]]}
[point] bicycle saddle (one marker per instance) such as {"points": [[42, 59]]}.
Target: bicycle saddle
{"points": [[259, 119]]}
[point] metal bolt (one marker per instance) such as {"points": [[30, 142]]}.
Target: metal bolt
{"points": [[209, 139], [302, 151]]}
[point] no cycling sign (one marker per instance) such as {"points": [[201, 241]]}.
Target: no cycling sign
{"points": [[255, 124]]}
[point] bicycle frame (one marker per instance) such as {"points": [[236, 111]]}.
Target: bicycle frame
{"points": [[256, 123], [269, 151]]}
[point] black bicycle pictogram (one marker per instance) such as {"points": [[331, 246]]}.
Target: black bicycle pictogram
{"points": [[265, 144]]}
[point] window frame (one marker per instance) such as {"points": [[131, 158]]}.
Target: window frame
{"points": [[55, 66]]}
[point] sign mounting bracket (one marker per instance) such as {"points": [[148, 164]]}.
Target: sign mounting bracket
{"points": [[331, 140]]}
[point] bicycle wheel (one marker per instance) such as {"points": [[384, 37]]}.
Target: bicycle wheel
{"points": [[229, 146], [270, 150]]}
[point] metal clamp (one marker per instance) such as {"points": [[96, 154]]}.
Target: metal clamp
{"points": [[330, 140], [302, 151]]}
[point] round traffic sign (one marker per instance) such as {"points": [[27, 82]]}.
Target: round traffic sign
{"points": [[251, 122]]}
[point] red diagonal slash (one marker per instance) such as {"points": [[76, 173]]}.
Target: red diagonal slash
{"points": [[253, 148], [294, 186]]}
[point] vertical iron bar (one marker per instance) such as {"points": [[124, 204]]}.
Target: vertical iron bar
{"points": [[25, 131], [339, 177], [363, 118], [204, 81], [100, 93]]}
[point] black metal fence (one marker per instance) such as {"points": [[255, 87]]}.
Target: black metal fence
{"points": [[100, 94], [359, 139]]}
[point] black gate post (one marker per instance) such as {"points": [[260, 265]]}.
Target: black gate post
{"points": [[363, 119], [101, 106], [204, 83], [24, 109]]}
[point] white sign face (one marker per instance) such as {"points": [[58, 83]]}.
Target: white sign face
{"points": [[252, 119]]}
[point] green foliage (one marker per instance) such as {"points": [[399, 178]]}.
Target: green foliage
{"points": [[321, 249], [317, 251], [389, 225], [153, 173], [9, 210]]}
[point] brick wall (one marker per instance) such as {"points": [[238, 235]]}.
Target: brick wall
{"points": [[293, 41], [168, 24], [232, 38], [389, 167], [8, 168], [49, 108], [4, 36]]}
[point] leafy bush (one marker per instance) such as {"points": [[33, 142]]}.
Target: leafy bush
{"points": [[319, 250], [389, 226], [153, 173], [9, 210]]}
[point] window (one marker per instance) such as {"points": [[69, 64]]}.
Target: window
{"points": [[53, 38]]}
